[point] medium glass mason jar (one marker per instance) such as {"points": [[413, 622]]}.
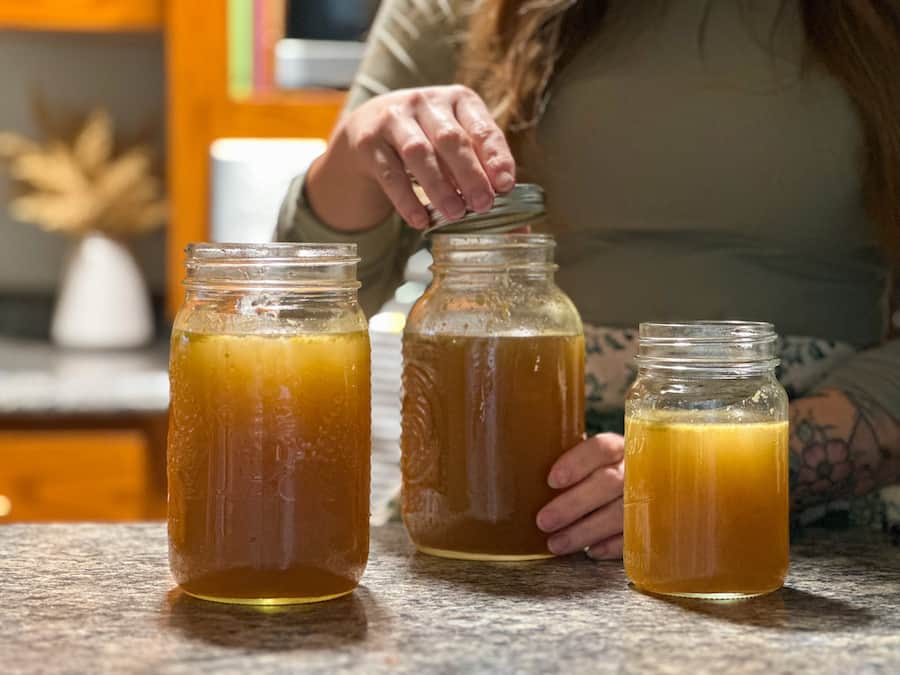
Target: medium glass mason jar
{"points": [[706, 462], [493, 383], [269, 428]]}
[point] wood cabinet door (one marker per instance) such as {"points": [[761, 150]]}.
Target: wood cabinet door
{"points": [[63, 475]]}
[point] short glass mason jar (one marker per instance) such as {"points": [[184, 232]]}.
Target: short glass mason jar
{"points": [[269, 428], [493, 383], [706, 462]]}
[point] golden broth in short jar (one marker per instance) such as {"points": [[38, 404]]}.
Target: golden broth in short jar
{"points": [[706, 505], [706, 462]]}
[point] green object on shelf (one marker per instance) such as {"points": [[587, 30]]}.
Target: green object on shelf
{"points": [[240, 47]]}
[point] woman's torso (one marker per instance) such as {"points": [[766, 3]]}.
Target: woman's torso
{"points": [[703, 173], [694, 168]]}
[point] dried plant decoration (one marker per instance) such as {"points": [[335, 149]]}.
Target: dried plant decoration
{"points": [[82, 178]]}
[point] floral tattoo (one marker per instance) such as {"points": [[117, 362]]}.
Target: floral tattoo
{"points": [[839, 448]]}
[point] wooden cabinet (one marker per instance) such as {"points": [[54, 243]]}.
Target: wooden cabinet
{"points": [[83, 467], [82, 15], [74, 475]]}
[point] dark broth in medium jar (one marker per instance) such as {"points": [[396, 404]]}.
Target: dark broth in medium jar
{"points": [[269, 446], [484, 419]]}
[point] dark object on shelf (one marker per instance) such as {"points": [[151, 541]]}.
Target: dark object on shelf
{"points": [[330, 19], [26, 315]]}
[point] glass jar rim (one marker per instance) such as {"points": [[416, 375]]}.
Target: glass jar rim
{"points": [[277, 266], [720, 348], [477, 241], [493, 253], [706, 332], [292, 252]]}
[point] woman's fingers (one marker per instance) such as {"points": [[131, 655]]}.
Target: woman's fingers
{"points": [[419, 157], [601, 487], [391, 176], [444, 137], [585, 458], [489, 142], [608, 549], [591, 530], [594, 470], [456, 151]]}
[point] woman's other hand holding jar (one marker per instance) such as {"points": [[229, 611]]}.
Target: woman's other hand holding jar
{"points": [[588, 514]]}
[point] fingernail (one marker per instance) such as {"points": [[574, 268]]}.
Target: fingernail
{"points": [[505, 181], [596, 552], [419, 221], [547, 521], [482, 201], [453, 208], [558, 479], [559, 544]]}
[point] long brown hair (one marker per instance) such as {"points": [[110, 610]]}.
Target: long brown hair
{"points": [[515, 47]]}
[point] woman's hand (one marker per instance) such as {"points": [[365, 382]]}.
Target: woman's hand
{"points": [[588, 515], [443, 137]]}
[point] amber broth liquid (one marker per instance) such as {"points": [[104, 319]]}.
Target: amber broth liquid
{"points": [[706, 507], [484, 419], [268, 465]]}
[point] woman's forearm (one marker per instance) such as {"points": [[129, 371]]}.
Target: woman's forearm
{"points": [[840, 447]]}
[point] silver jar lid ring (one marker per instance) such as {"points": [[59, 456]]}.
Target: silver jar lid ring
{"points": [[522, 205]]}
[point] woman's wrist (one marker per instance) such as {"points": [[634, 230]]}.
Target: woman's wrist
{"points": [[341, 195]]}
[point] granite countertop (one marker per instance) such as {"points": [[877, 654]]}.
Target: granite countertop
{"points": [[99, 598], [38, 378]]}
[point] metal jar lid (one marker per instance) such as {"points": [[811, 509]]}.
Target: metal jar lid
{"points": [[522, 205]]}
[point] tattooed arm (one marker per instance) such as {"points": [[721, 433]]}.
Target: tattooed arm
{"points": [[840, 447]]}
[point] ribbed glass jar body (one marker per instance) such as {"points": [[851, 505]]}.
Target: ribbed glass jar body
{"points": [[493, 394]]}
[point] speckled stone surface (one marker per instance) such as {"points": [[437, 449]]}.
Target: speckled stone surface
{"points": [[38, 378], [99, 599]]}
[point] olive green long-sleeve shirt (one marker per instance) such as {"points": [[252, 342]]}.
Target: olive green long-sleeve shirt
{"points": [[693, 168]]}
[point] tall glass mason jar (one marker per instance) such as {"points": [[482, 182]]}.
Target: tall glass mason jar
{"points": [[706, 462], [493, 383], [269, 428]]}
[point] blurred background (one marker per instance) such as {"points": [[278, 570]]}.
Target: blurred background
{"points": [[129, 128]]}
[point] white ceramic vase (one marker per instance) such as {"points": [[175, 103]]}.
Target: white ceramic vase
{"points": [[103, 300]]}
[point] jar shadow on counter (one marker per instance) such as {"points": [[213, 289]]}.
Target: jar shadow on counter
{"points": [[553, 577], [324, 625], [787, 608]]}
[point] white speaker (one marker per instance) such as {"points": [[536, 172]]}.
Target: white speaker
{"points": [[249, 178]]}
